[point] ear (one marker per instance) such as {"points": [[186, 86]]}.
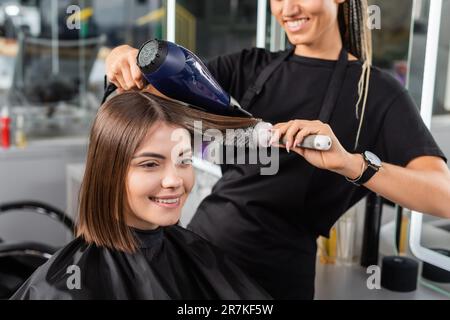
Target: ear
{"points": [[340, 1]]}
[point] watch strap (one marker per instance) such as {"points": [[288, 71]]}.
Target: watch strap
{"points": [[366, 174]]}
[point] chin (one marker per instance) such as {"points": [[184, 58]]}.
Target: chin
{"points": [[169, 222], [299, 40], [167, 218]]}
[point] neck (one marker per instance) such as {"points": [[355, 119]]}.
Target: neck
{"points": [[327, 47]]}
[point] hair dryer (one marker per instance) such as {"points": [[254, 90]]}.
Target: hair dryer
{"points": [[179, 74]]}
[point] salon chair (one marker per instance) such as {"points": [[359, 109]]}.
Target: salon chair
{"points": [[19, 260]]}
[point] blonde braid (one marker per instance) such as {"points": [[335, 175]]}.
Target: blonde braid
{"points": [[357, 39], [363, 85]]}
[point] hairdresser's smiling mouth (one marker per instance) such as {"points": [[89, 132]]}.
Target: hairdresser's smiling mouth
{"points": [[169, 201], [297, 24]]}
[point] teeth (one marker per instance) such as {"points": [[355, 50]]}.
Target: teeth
{"points": [[296, 23], [169, 201]]}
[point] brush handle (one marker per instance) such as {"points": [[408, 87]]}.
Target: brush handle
{"points": [[262, 135], [316, 142]]}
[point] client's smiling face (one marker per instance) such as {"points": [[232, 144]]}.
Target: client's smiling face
{"points": [[160, 177]]}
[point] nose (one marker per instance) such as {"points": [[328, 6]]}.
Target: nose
{"points": [[171, 178], [290, 8]]}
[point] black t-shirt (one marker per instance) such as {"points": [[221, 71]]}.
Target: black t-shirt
{"points": [[269, 224]]}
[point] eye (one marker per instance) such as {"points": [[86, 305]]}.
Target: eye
{"points": [[149, 165], [185, 161]]}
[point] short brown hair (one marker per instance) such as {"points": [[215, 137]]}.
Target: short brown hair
{"points": [[120, 126]]}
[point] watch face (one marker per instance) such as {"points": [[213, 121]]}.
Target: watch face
{"points": [[372, 158]]}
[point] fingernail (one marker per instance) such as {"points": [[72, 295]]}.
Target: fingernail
{"points": [[272, 140]]}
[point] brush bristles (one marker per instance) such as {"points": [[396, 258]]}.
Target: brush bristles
{"points": [[250, 137]]}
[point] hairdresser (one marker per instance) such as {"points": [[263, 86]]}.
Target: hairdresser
{"points": [[325, 85]]}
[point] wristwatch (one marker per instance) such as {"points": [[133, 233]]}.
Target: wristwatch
{"points": [[373, 165]]}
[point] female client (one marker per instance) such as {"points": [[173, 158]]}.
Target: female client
{"points": [[128, 246]]}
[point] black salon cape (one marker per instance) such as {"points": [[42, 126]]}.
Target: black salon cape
{"points": [[172, 263]]}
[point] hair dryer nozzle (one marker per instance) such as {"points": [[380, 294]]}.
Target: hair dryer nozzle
{"points": [[151, 55]]}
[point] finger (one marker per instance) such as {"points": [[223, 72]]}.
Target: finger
{"points": [[120, 81], [111, 76], [303, 133], [126, 74], [278, 125], [136, 75], [278, 133], [115, 76], [301, 121], [282, 128], [275, 138], [288, 137], [278, 145]]}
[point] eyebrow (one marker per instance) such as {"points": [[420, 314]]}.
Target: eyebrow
{"points": [[160, 156], [150, 155]]}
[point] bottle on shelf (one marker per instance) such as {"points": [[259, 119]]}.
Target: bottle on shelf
{"points": [[5, 123]]}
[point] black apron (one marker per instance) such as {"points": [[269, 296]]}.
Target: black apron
{"points": [[258, 237], [333, 90]]}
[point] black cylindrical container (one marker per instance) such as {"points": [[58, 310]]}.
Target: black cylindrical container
{"points": [[399, 273]]}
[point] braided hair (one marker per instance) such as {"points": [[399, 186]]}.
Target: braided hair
{"points": [[357, 39]]}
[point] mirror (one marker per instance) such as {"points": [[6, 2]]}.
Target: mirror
{"points": [[429, 84]]}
